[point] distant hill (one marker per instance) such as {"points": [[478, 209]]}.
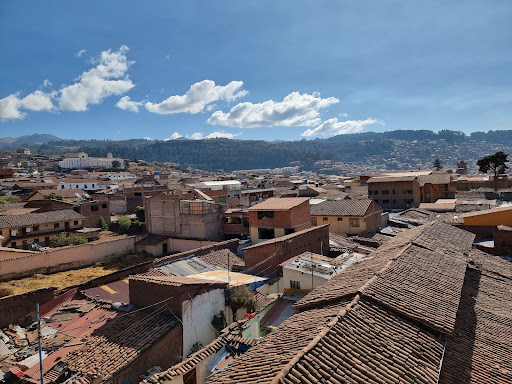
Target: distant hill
{"points": [[35, 139], [391, 150]]}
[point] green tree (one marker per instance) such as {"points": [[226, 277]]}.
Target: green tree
{"points": [[53, 196], [242, 298], [219, 322], [9, 200], [116, 164], [123, 224], [494, 163], [141, 214], [437, 164], [102, 224]]}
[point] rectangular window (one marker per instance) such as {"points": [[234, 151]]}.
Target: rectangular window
{"points": [[369, 193], [313, 221], [266, 233], [353, 222], [385, 192], [137, 194], [35, 228], [13, 244], [265, 215], [56, 225], [294, 284], [94, 208], [394, 192], [288, 231], [340, 218], [325, 219], [385, 201], [103, 205], [75, 222]]}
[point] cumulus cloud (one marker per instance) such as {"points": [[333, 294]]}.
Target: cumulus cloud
{"points": [[296, 109], [12, 106], [196, 136], [106, 79], [128, 105], [197, 98], [334, 127], [174, 136], [80, 52], [221, 134]]}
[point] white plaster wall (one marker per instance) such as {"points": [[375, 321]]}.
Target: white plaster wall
{"points": [[197, 316]]}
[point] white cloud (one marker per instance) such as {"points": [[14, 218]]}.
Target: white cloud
{"points": [[334, 127], [96, 84], [174, 136], [80, 52], [296, 109], [221, 134], [147, 138], [196, 136], [47, 83], [128, 105], [197, 98], [11, 106]]}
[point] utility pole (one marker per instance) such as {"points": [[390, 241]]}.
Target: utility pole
{"points": [[312, 276], [39, 340]]}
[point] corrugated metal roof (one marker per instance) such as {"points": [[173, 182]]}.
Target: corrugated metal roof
{"points": [[187, 267]]}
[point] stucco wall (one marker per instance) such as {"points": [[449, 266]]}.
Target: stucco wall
{"points": [[64, 258], [197, 316]]}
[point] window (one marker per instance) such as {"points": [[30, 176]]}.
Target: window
{"points": [[94, 208], [375, 192], [294, 284], [353, 222], [77, 185], [56, 225], [85, 186], [137, 194], [369, 193], [393, 192], [266, 233], [13, 244], [35, 228], [340, 218], [325, 219], [385, 192], [313, 221], [385, 201], [75, 222], [288, 231], [265, 215], [103, 205]]}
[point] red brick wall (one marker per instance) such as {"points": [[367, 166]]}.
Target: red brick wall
{"points": [[502, 238], [373, 218], [92, 217], [298, 217], [14, 309], [294, 245]]}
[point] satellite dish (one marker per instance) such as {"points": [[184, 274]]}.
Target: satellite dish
{"points": [[78, 196]]}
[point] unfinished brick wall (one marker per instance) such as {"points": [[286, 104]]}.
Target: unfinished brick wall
{"points": [[17, 308], [314, 239]]}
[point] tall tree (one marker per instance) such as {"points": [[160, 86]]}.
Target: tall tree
{"points": [[495, 163], [437, 164]]}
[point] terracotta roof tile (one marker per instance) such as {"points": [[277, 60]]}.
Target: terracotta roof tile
{"points": [[220, 259], [341, 208], [14, 221], [279, 203]]}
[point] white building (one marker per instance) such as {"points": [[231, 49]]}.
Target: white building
{"points": [[84, 161]]}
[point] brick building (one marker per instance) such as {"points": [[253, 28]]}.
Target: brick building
{"points": [[402, 192], [437, 186], [347, 217], [92, 211], [265, 257], [277, 217]]}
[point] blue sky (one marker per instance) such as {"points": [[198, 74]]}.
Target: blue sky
{"points": [[253, 70]]}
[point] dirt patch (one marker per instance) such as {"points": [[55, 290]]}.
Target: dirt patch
{"points": [[72, 277]]}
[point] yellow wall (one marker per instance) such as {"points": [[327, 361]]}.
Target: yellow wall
{"points": [[341, 227], [493, 218]]}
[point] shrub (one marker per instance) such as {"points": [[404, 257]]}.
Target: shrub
{"points": [[123, 224], [219, 322], [102, 224], [141, 214], [63, 239], [53, 196]]}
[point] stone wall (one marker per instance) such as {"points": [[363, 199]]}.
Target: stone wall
{"points": [[16, 309]]}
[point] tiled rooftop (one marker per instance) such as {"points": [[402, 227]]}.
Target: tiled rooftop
{"points": [[279, 204], [341, 208], [15, 221]]}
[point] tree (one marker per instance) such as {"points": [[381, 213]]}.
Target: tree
{"points": [[495, 163], [102, 224], [116, 164], [242, 298], [63, 239], [123, 224], [141, 214], [437, 164], [53, 196]]}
